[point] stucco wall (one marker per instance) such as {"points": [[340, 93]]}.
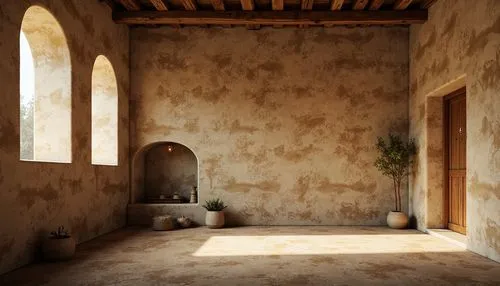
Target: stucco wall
{"points": [[459, 45], [37, 197], [283, 121]]}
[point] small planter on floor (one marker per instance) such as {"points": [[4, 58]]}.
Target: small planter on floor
{"points": [[215, 213], [163, 223], [59, 246]]}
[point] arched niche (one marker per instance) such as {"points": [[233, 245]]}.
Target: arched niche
{"points": [[162, 169], [104, 113], [45, 87]]}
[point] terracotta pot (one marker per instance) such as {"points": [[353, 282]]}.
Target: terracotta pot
{"points": [[56, 249], [163, 223], [397, 220], [214, 219]]}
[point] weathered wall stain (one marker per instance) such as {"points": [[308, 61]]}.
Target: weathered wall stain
{"points": [[422, 47], [295, 155], [353, 211], [359, 186], [490, 76], [492, 233], [237, 127], [280, 138], [265, 186], [478, 41], [28, 196]]}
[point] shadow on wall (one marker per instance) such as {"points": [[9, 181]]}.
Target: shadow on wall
{"points": [[164, 172]]}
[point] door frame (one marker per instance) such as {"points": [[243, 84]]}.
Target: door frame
{"points": [[446, 151]]}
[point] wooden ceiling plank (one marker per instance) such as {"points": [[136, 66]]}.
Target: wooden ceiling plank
{"points": [[111, 4], [376, 4], [278, 5], [380, 17], [336, 5], [160, 5], [306, 4], [189, 5], [426, 4], [247, 5], [359, 4], [131, 5], [401, 4], [218, 5]]}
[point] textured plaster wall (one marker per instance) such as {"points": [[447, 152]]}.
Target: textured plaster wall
{"points": [[37, 197], [459, 45], [283, 122]]}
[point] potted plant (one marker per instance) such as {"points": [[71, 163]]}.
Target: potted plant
{"points": [[393, 161], [58, 246], [215, 213]]}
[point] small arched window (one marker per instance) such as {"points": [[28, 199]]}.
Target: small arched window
{"points": [[104, 113], [45, 89]]}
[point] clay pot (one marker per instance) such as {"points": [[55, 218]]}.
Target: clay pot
{"points": [[214, 219], [163, 223], [397, 220], [57, 249]]}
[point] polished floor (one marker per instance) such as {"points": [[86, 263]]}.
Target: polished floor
{"points": [[265, 256]]}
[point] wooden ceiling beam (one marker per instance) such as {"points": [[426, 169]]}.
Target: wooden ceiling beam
{"points": [[278, 5], [426, 4], [359, 4], [306, 4], [247, 5], [189, 5], [160, 5], [111, 4], [271, 17], [402, 4], [336, 5], [376, 4], [131, 5], [218, 5]]}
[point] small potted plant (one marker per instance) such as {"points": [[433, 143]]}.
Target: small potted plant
{"points": [[215, 213], [393, 161], [58, 246]]}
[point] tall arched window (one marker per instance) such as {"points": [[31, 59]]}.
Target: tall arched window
{"points": [[104, 113], [45, 89]]}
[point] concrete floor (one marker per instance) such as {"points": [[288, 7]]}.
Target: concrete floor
{"points": [[265, 256]]}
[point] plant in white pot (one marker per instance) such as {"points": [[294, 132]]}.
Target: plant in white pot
{"points": [[59, 246], [393, 161], [215, 213]]}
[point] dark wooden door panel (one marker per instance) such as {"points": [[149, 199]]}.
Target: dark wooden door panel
{"points": [[457, 163]]}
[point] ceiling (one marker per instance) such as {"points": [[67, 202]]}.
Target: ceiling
{"points": [[255, 14]]}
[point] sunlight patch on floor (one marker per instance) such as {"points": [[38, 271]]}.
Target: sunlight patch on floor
{"points": [[321, 245]]}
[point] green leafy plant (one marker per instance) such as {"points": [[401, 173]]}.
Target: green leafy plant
{"points": [[393, 161], [60, 233], [214, 205]]}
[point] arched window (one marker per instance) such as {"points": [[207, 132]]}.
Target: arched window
{"points": [[104, 113], [45, 89]]}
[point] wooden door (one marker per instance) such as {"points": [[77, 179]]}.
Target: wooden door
{"points": [[457, 163]]}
